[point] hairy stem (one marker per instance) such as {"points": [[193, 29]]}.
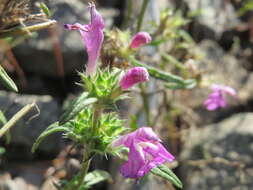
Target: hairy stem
{"points": [[146, 106], [84, 170], [86, 155]]}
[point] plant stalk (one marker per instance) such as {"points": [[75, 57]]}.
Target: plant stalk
{"points": [[85, 167], [141, 16], [128, 13], [145, 101]]}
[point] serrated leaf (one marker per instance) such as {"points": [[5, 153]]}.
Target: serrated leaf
{"points": [[96, 176], [7, 81], [76, 106], [54, 128], [166, 173]]}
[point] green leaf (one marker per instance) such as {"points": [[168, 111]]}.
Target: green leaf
{"points": [[54, 128], [96, 176], [174, 81], [2, 151], [3, 119], [76, 106], [45, 9], [247, 6], [172, 60], [166, 173], [157, 73], [7, 81], [186, 36]]}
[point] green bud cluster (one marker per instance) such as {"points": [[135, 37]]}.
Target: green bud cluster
{"points": [[104, 86]]}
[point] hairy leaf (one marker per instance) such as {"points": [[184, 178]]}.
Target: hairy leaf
{"points": [[166, 173], [7, 81], [76, 106], [54, 128], [96, 176]]}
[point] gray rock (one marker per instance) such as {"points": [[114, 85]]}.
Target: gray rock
{"points": [[24, 133], [217, 17], [219, 156], [218, 67], [36, 55]]}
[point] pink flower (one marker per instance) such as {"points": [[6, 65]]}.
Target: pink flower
{"points": [[133, 76], [92, 35], [139, 39], [217, 98], [145, 152]]}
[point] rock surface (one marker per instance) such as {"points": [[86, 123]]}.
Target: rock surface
{"points": [[219, 156], [219, 13], [218, 67], [24, 133]]}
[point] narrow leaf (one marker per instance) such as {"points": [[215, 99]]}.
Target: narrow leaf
{"points": [[54, 128], [3, 119], [96, 176], [76, 106], [166, 173], [7, 81], [172, 60], [45, 9], [158, 74]]}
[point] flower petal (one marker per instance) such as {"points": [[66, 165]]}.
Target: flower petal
{"points": [[139, 39], [133, 76], [92, 35], [145, 152]]}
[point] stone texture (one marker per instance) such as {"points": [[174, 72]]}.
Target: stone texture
{"points": [[219, 13], [24, 133], [218, 67], [219, 156]]}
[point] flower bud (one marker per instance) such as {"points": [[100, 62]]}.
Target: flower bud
{"points": [[133, 76], [139, 39]]}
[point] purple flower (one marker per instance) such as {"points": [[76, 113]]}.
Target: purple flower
{"points": [[145, 152], [133, 76], [217, 98], [92, 35], [139, 39]]}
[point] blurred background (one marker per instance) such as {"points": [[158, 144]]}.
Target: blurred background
{"points": [[213, 150]]}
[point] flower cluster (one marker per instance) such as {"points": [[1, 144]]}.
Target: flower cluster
{"points": [[145, 152], [145, 149], [217, 98]]}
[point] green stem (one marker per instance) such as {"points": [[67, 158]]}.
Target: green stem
{"points": [[141, 16], [86, 156], [96, 115], [145, 104], [128, 14], [85, 168]]}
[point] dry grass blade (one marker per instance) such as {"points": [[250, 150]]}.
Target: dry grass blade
{"points": [[11, 11], [16, 18]]}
